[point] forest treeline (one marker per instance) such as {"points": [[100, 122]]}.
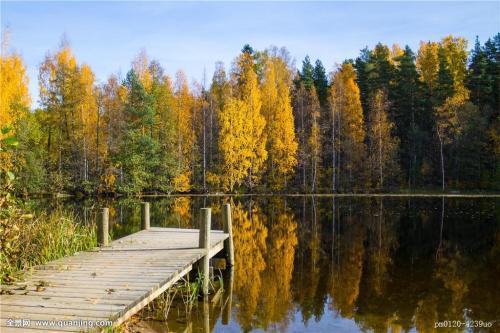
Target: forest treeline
{"points": [[389, 119]]}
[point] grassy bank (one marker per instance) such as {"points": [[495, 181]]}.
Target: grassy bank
{"points": [[28, 240]]}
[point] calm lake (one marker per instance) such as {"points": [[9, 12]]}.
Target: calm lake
{"points": [[344, 264]]}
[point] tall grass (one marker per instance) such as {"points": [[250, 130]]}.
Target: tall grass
{"points": [[29, 241]]}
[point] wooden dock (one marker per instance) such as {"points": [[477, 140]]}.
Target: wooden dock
{"points": [[110, 283]]}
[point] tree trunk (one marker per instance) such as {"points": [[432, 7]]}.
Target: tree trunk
{"points": [[333, 149], [442, 158], [381, 171], [303, 144], [204, 150]]}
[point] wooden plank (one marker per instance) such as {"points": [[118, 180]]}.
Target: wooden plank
{"points": [[97, 276], [28, 310], [134, 308], [55, 316], [69, 287], [83, 299], [110, 293]]}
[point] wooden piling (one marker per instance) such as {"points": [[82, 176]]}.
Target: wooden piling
{"points": [[228, 297], [228, 229], [103, 228], [206, 315], [145, 221], [204, 243]]}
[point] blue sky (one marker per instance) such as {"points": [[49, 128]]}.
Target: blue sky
{"points": [[194, 35]]}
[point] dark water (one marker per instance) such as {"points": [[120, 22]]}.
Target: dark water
{"points": [[309, 264]]}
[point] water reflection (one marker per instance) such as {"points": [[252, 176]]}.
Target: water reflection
{"points": [[344, 264]]}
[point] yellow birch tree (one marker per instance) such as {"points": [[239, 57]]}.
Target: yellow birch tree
{"points": [[280, 128], [428, 63], [350, 134], [14, 99], [185, 137]]}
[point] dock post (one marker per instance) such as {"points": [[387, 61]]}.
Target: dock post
{"points": [[206, 314], [228, 229], [228, 299], [204, 243], [145, 216], [103, 228]]}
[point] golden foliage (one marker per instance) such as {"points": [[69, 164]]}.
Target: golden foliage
{"points": [[346, 103], [455, 51], [383, 147], [14, 100], [277, 110], [242, 142], [447, 116], [14, 95], [185, 138], [428, 63], [396, 52], [69, 96], [140, 65], [181, 182]]}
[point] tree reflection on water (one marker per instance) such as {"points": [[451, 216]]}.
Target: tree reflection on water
{"points": [[324, 264]]}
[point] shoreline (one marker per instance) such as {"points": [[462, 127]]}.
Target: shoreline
{"points": [[326, 195]]}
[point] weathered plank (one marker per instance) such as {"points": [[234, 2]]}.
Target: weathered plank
{"points": [[113, 282]]}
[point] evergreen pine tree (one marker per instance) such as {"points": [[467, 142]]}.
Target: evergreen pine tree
{"points": [[307, 74], [320, 82], [406, 113], [479, 82]]}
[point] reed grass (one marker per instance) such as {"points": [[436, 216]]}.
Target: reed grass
{"points": [[30, 241]]}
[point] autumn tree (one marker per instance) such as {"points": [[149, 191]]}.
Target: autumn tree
{"points": [[68, 95], [164, 126], [307, 115], [348, 142], [382, 145], [113, 95], [264, 124], [141, 68], [234, 156], [451, 96], [185, 135], [242, 140], [448, 127], [455, 52], [280, 129], [427, 63], [218, 94], [14, 103], [14, 82]]}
